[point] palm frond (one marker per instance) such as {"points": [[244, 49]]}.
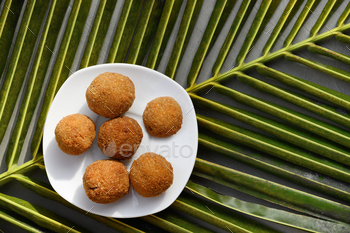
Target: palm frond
{"points": [[125, 30], [98, 33], [15, 220], [8, 22], [217, 215], [277, 167], [207, 39], [276, 193], [285, 125], [64, 60], [39, 215], [188, 21], [278, 216]]}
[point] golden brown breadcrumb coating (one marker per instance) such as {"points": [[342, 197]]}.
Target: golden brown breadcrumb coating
{"points": [[106, 181], [75, 133], [119, 138], [151, 174], [162, 117], [110, 94]]}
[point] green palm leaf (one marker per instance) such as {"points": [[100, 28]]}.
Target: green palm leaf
{"points": [[278, 121], [7, 29], [272, 214], [18, 222]]}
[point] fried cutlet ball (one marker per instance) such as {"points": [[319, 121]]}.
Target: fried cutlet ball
{"points": [[106, 181], [119, 138], [75, 133], [151, 174], [110, 94], [162, 117]]}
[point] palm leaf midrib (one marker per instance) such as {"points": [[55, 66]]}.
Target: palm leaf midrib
{"points": [[267, 58]]}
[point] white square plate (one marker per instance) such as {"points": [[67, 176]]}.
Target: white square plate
{"points": [[65, 172]]}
